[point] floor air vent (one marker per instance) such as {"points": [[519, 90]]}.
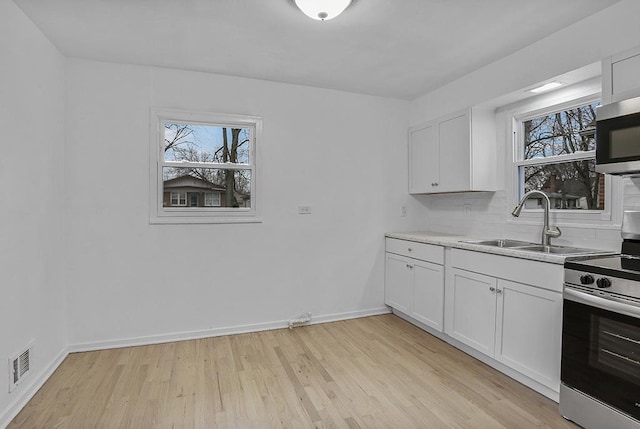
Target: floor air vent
{"points": [[19, 368]]}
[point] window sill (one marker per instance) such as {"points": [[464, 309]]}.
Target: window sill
{"points": [[186, 220]]}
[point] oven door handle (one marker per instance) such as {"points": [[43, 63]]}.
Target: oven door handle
{"points": [[603, 303]]}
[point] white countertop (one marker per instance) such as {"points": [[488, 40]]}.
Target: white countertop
{"points": [[456, 241]]}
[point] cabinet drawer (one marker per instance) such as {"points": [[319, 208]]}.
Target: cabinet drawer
{"points": [[412, 249], [541, 274]]}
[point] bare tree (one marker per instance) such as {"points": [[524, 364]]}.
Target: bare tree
{"points": [[180, 145], [561, 133]]}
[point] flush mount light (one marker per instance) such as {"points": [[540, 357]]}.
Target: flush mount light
{"points": [[322, 10], [546, 87]]}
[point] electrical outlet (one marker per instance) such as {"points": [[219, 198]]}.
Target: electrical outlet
{"points": [[304, 209], [403, 211], [467, 210]]}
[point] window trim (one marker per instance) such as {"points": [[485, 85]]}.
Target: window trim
{"points": [[609, 218], [158, 214]]}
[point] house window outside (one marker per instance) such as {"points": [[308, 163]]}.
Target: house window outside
{"points": [[178, 198], [203, 167], [212, 199], [555, 154]]}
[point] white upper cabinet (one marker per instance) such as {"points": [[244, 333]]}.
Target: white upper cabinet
{"points": [[424, 164], [455, 153], [621, 76]]}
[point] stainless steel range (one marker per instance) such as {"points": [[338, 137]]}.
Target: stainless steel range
{"points": [[600, 370]]}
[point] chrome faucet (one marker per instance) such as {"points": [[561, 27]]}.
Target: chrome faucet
{"points": [[548, 232]]}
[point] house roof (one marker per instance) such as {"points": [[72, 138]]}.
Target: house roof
{"points": [[191, 182]]}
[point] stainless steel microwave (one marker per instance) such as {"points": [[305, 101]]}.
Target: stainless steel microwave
{"points": [[618, 138]]}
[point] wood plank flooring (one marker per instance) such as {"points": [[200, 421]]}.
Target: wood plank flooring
{"points": [[374, 372]]}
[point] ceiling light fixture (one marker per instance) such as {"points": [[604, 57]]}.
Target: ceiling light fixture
{"points": [[546, 87], [322, 10]]}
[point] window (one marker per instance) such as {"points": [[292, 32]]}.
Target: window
{"points": [[203, 167], [178, 198], [212, 199], [555, 153]]}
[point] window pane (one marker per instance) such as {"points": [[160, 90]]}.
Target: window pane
{"points": [[569, 185], [206, 187], [560, 133], [212, 199], [206, 143]]}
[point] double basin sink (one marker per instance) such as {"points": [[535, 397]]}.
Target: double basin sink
{"points": [[533, 247]]}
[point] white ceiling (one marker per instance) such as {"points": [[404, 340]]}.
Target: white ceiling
{"points": [[391, 48]]}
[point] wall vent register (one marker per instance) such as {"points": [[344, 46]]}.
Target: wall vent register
{"points": [[19, 366]]}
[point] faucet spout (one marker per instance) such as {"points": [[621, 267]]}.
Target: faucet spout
{"points": [[548, 232]]}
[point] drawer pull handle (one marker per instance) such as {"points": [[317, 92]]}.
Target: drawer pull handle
{"points": [[410, 249]]}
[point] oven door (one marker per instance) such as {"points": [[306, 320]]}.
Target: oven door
{"points": [[601, 349]]}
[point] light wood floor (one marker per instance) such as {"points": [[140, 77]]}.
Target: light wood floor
{"points": [[375, 372]]}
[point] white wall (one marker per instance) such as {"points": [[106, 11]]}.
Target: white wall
{"points": [[32, 307], [610, 31], [341, 153]]}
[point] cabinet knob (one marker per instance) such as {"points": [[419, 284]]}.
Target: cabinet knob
{"points": [[499, 290], [492, 289], [410, 249]]}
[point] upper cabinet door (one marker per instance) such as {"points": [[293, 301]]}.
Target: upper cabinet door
{"points": [[455, 141], [455, 153], [424, 168], [620, 76]]}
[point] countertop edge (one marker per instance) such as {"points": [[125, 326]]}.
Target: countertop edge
{"points": [[456, 242]]}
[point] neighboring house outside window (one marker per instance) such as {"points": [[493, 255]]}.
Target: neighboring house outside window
{"points": [[203, 167]]}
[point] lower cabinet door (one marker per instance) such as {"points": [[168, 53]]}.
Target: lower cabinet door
{"points": [[528, 335], [471, 310], [397, 284], [428, 290]]}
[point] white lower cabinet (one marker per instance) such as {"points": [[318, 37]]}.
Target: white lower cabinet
{"points": [[489, 308], [528, 331], [414, 286], [471, 317], [398, 283], [508, 309]]}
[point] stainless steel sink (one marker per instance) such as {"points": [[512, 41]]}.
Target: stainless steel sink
{"points": [[500, 243], [526, 246], [558, 250]]}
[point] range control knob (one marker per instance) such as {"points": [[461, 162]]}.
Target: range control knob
{"points": [[586, 279], [603, 283]]}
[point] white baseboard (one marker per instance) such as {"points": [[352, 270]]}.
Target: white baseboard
{"points": [[217, 332], [350, 315], [28, 390]]}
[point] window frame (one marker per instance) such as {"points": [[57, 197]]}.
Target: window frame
{"points": [[158, 214], [542, 105]]}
